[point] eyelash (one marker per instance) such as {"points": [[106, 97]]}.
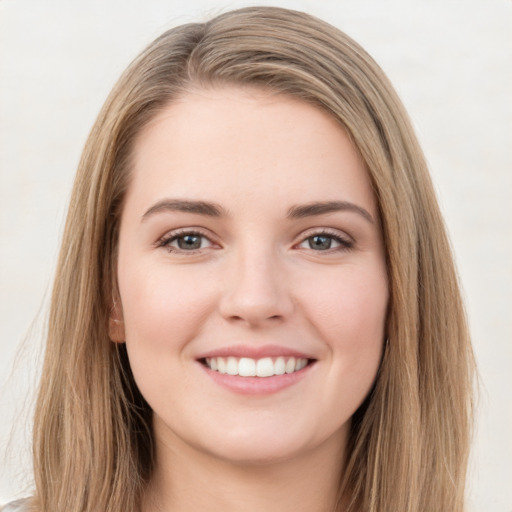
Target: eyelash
{"points": [[166, 241], [345, 244]]}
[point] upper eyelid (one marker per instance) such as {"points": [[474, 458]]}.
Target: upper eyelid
{"points": [[303, 235], [345, 241], [334, 232], [175, 233]]}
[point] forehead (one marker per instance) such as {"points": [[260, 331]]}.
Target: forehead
{"points": [[247, 143]]}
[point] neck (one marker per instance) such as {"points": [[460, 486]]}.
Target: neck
{"points": [[187, 480]]}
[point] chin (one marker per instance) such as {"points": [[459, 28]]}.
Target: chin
{"points": [[254, 452], [271, 444]]}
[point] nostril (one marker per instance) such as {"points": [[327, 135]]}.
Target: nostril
{"points": [[255, 298]]}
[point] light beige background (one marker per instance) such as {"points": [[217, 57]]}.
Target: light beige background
{"points": [[451, 62]]}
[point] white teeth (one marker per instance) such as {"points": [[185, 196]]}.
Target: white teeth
{"points": [[280, 366], [221, 365], [265, 367], [247, 367], [232, 366], [300, 364], [290, 365]]}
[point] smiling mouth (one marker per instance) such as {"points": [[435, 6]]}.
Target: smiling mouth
{"points": [[248, 367]]}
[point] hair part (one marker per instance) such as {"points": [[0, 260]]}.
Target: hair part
{"points": [[409, 442]]}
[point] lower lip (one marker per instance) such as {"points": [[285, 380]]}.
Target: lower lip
{"points": [[257, 385]]}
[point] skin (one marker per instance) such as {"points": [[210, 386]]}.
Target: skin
{"points": [[257, 278]]}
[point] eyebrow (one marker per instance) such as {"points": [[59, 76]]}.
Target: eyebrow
{"points": [[187, 206], [321, 208], [215, 210]]}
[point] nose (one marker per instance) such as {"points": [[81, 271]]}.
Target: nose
{"points": [[257, 291]]}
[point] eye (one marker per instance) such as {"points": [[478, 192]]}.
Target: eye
{"points": [[185, 241], [188, 242], [325, 242]]}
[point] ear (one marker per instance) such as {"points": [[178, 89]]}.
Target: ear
{"points": [[116, 324]]}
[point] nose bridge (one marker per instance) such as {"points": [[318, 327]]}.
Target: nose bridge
{"points": [[257, 290]]}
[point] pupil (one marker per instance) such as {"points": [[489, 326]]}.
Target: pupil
{"points": [[320, 242], [189, 242]]}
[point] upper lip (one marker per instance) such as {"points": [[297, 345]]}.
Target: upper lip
{"points": [[254, 352]]}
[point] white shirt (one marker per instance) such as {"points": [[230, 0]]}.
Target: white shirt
{"points": [[15, 506]]}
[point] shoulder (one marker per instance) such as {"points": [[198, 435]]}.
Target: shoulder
{"points": [[16, 506]]}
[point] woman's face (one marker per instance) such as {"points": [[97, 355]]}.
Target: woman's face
{"points": [[251, 274]]}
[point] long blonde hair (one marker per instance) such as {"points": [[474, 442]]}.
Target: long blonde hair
{"points": [[409, 442]]}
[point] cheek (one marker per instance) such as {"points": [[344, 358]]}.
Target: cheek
{"points": [[163, 311], [349, 314], [350, 304], [162, 306]]}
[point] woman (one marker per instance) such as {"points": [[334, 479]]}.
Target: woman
{"points": [[255, 303]]}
